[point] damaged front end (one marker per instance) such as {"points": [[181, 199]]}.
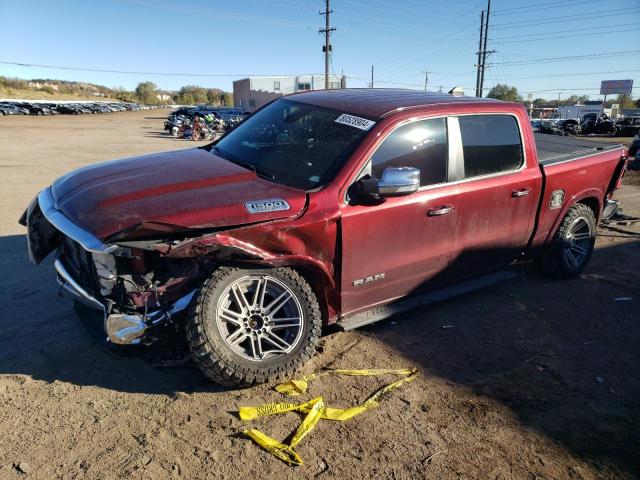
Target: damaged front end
{"points": [[136, 289]]}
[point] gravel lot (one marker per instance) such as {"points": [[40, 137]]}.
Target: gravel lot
{"points": [[531, 379]]}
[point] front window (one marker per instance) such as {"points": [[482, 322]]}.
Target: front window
{"points": [[298, 145], [421, 144]]}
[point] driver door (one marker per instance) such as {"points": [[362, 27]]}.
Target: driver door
{"points": [[400, 245]]}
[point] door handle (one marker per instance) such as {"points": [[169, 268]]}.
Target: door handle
{"points": [[443, 210], [521, 192]]}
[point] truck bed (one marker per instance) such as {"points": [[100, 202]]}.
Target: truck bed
{"points": [[555, 149]]}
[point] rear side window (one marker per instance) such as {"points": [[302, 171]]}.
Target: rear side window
{"points": [[491, 144], [421, 144]]}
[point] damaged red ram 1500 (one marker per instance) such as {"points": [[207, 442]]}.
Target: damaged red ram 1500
{"points": [[343, 206]]}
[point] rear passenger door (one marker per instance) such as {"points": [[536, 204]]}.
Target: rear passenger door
{"points": [[499, 193]]}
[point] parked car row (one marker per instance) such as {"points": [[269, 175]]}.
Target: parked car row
{"points": [[53, 108]]}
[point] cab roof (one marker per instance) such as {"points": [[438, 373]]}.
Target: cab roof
{"points": [[380, 102]]}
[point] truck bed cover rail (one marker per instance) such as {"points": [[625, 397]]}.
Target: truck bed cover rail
{"points": [[556, 149]]}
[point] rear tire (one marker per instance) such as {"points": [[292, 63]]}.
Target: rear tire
{"points": [[570, 251], [251, 326]]}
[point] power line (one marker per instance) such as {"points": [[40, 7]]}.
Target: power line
{"points": [[542, 6], [565, 18], [554, 3], [576, 74], [129, 72], [590, 29], [544, 37], [573, 57]]}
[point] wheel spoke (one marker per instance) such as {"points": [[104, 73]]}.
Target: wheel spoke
{"points": [[278, 323], [236, 337], [577, 225], [577, 250], [570, 257], [276, 341], [581, 236], [278, 303], [230, 316], [256, 347], [240, 298], [258, 297]]}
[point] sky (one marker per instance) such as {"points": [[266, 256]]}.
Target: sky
{"points": [[563, 47]]}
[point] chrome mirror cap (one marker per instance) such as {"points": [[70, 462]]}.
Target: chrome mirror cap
{"points": [[399, 181]]}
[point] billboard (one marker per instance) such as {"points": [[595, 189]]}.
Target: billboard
{"points": [[623, 87]]}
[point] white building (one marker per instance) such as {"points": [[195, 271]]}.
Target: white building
{"points": [[565, 112], [253, 92]]}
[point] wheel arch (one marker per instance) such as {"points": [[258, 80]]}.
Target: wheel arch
{"points": [[590, 198], [321, 281], [593, 203]]}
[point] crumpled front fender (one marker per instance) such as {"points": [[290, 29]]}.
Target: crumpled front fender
{"points": [[309, 246]]}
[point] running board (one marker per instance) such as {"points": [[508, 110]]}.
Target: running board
{"points": [[383, 312]]}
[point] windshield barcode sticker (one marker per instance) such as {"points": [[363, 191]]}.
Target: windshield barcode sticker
{"points": [[353, 121]]}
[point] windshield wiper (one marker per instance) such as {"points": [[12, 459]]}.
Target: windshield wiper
{"points": [[248, 165]]}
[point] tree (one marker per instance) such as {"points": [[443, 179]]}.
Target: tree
{"points": [[575, 99], [213, 96], [191, 95], [540, 101], [505, 92], [625, 101], [146, 92]]}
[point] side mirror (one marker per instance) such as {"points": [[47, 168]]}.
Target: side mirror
{"points": [[395, 182]]}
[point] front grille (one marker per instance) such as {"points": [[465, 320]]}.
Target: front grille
{"points": [[79, 264]]}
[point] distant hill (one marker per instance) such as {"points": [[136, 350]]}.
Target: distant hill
{"points": [[146, 92]]}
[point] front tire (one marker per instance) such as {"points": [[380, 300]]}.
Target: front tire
{"points": [[572, 246], [252, 326]]}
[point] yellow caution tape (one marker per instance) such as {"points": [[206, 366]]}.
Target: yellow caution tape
{"points": [[315, 409]]}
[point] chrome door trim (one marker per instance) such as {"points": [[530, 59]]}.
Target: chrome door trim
{"points": [[456, 154]]}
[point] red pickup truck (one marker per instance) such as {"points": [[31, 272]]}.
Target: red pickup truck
{"points": [[342, 206]]}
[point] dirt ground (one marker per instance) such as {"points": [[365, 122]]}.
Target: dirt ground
{"points": [[529, 379]]}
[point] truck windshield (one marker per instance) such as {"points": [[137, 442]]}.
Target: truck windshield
{"points": [[298, 145]]}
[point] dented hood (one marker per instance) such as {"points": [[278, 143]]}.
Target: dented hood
{"points": [[169, 192]]}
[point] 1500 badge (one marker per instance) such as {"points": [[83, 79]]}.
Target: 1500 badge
{"points": [[371, 278], [269, 205]]}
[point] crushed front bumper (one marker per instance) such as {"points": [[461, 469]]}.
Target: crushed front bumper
{"points": [[46, 226]]}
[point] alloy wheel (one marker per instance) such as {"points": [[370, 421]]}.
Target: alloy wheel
{"points": [[578, 242], [259, 317]]}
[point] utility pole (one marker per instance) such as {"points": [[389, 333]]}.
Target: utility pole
{"points": [[426, 79], [371, 85], [327, 43], [485, 53], [479, 64]]}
